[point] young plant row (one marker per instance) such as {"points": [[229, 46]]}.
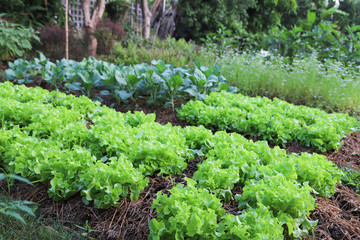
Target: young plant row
{"points": [[157, 83], [77, 146], [103, 131], [69, 171], [277, 190], [276, 121]]}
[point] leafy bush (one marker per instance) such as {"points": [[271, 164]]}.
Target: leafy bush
{"points": [[313, 33], [323, 38], [352, 7], [15, 40], [117, 10], [196, 22], [290, 19], [33, 13], [106, 33]]}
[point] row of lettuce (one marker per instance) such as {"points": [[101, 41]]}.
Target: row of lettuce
{"points": [[157, 83], [275, 121], [77, 146]]}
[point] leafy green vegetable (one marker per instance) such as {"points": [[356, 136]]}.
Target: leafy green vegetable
{"points": [[254, 223], [75, 145], [287, 199], [157, 82], [105, 183], [173, 86], [187, 213], [273, 120]]}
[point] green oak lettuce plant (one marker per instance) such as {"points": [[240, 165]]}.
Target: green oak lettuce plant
{"points": [[187, 213]]}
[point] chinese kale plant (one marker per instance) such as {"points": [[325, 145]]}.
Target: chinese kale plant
{"points": [[158, 82]]}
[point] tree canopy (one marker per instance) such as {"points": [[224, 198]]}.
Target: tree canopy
{"points": [[33, 13], [199, 17]]}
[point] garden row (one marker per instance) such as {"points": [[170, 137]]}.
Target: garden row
{"points": [[158, 83], [78, 146], [276, 121]]}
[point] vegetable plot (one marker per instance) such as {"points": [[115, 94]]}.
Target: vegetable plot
{"points": [[277, 188], [77, 146], [50, 136], [276, 121], [158, 83]]}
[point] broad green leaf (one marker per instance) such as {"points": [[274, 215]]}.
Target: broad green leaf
{"points": [[124, 95], [119, 78]]}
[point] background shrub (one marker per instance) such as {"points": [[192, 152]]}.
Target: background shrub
{"points": [[107, 32], [53, 43]]}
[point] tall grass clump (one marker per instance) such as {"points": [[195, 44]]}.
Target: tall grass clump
{"points": [[329, 85], [135, 51]]}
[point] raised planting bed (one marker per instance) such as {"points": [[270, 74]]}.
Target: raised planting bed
{"points": [[159, 180]]}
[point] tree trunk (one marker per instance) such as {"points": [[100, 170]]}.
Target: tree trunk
{"points": [[91, 20], [147, 19], [155, 6]]}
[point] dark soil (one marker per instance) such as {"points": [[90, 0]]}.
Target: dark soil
{"points": [[232, 206], [338, 217], [163, 115]]}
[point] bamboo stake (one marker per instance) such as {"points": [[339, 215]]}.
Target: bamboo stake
{"points": [[67, 29]]}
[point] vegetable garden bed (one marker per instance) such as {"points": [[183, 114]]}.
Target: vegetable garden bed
{"points": [[130, 219], [228, 171]]}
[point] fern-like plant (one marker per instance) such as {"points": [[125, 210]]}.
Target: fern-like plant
{"points": [[15, 208]]}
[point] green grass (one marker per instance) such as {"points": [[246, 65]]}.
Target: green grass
{"points": [[34, 227], [330, 86]]}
